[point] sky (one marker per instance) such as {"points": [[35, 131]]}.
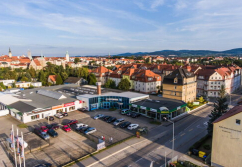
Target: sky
{"points": [[100, 27]]}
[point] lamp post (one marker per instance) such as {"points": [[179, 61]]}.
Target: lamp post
{"points": [[173, 135]]}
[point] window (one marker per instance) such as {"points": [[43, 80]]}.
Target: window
{"points": [[175, 80], [211, 82], [175, 87], [238, 121], [34, 117]]}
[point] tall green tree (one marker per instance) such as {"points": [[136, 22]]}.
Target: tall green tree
{"points": [[32, 72], [124, 84], [110, 84], [59, 80], [220, 107], [92, 79], [2, 86], [76, 60]]}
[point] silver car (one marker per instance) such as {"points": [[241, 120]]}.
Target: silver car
{"points": [[98, 116], [118, 121]]}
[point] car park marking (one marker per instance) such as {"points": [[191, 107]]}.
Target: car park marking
{"points": [[190, 130], [182, 134]]}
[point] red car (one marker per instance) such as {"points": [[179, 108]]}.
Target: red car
{"points": [[66, 128], [44, 129], [72, 122]]}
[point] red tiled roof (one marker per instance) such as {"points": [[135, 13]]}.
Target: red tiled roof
{"points": [[235, 110], [53, 77]]}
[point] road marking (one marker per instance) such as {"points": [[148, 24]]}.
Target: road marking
{"points": [[138, 160], [190, 130], [182, 134], [100, 160]]}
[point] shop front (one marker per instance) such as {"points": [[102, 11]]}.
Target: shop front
{"points": [[106, 102], [159, 114]]}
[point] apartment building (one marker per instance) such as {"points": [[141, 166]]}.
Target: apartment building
{"points": [[102, 74], [210, 79], [180, 85]]}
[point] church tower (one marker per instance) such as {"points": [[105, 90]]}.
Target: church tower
{"points": [[29, 55], [9, 53], [67, 57]]}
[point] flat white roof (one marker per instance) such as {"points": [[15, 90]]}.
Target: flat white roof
{"points": [[130, 95]]}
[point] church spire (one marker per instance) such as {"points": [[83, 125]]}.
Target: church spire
{"points": [[67, 57], [9, 52]]}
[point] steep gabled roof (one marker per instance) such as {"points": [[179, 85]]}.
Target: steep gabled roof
{"points": [[72, 80]]}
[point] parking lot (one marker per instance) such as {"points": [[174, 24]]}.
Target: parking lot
{"points": [[72, 145]]}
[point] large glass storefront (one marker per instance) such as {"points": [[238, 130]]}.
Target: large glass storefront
{"points": [[106, 102]]}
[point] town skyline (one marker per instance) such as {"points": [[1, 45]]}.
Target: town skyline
{"points": [[92, 28]]}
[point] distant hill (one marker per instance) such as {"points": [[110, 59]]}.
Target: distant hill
{"points": [[234, 52]]}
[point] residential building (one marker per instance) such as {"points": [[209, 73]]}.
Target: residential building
{"points": [[102, 74], [52, 79], [227, 139], [180, 85], [73, 80], [7, 82]]}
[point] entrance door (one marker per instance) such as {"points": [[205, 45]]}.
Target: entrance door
{"points": [[106, 105]]}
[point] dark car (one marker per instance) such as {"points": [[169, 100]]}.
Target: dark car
{"points": [[54, 126], [82, 130], [111, 119], [52, 133], [43, 135], [129, 113], [51, 118], [105, 118], [65, 114], [124, 124], [44, 165], [134, 115], [72, 122]]}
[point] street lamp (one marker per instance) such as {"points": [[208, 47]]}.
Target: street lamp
{"points": [[173, 135]]}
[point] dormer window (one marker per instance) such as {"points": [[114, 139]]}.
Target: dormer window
{"points": [[175, 80]]}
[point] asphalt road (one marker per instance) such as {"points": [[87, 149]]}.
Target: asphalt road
{"points": [[187, 132]]}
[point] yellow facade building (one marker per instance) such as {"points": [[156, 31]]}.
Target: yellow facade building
{"points": [[180, 85], [227, 139]]}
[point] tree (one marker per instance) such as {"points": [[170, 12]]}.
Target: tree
{"points": [[110, 84], [13, 85], [220, 107], [32, 72], [2, 86], [201, 99], [59, 80], [92, 79], [76, 60], [25, 79], [124, 84]]}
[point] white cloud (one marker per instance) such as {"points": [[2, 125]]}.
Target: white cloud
{"points": [[150, 5]]}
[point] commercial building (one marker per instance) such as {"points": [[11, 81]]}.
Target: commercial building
{"points": [[227, 139], [39, 103], [181, 85]]}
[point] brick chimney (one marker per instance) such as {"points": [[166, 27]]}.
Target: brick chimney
{"points": [[98, 88]]}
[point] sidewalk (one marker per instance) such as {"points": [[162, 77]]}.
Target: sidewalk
{"points": [[117, 151]]}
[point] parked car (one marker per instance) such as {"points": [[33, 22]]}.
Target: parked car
{"points": [[43, 135], [51, 118], [90, 130], [80, 125], [44, 165], [98, 116], [58, 115], [123, 112], [133, 126], [44, 129], [64, 114], [82, 130], [54, 126], [82, 109], [129, 113], [72, 122], [134, 115], [66, 128], [124, 124], [52, 133], [118, 121], [111, 119], [105, 118]]}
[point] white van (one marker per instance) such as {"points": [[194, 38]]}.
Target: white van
{"points": [[80, 125]]}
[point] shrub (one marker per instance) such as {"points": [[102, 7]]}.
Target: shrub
{"points": [[199, 143]]}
